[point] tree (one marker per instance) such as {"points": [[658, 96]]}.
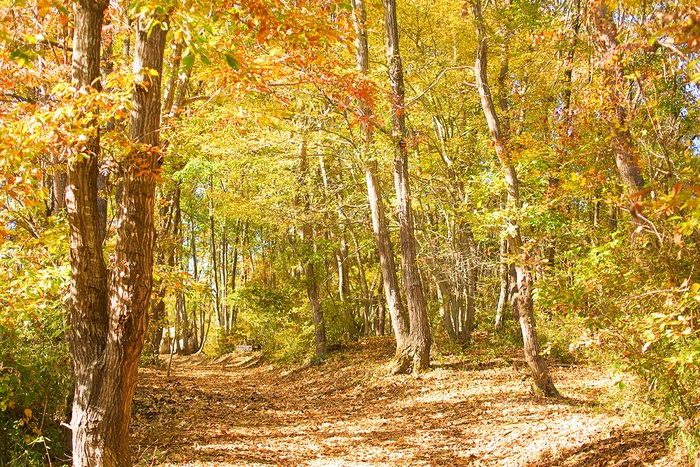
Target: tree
{"points": [[108, 318], [626, 158], [524, 301], [416, 349], [385, 250]]}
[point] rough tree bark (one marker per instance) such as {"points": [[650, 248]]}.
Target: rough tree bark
{"points": [[89, 315], [385, 250], [537, 364], [108, 318], [415, 352]]}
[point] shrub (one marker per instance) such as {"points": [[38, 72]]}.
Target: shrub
{"points": [[34, 365]]}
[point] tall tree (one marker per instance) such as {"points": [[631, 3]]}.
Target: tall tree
{"points": [[108, 319], [385, 249], [416, 349], [615, 113], [307, 251], [88, 288], [524, 302]]}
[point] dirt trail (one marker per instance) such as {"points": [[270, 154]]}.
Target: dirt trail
{"points": [[348, 412]]}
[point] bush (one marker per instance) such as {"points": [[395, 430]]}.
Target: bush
{"points": [[632, 302], [35, 376], [269, 320]]}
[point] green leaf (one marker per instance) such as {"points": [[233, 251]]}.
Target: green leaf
{"points": [[232, 62], [188, 61], [205, 59]]}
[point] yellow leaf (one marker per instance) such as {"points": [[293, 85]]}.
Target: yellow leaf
{"points": [[28, 413], [695, 287]]}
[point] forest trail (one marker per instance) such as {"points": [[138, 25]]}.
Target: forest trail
{"points": [[237, 411]]}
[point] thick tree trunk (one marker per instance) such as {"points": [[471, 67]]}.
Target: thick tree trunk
{"points": [[107, 339], [536, 362], [88, 288], [416, 350], [385, 250]]}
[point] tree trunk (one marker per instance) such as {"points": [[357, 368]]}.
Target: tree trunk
{"points": [[171, 83], [536, 362], [615, 115], [155, 322], [416, 349], [58, 188], [381, 317], [385, 250], [503, 278], [224, 278], [308, 258], [183, 347], [89, 316], [470, 289], [447, 303], [319, 324], [109, 325], [170, 213], [214, 261], [234, 271], [193, 249]]}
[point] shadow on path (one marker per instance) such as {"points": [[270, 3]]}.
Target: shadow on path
{"points": [[349, 413]]}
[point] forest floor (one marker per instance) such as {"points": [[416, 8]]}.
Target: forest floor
{"points": [[237, 410]]}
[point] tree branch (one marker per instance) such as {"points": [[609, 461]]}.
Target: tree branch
{"points": [[437, 80]]}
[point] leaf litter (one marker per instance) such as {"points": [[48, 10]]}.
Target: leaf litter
{"points": [[238, 410]]}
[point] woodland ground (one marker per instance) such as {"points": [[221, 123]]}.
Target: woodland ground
{"points": [[478, 410]]}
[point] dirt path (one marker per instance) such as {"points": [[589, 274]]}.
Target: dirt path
{"points": [[347, 412]]}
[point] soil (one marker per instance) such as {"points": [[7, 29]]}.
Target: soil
{"points": [[480, 410]]}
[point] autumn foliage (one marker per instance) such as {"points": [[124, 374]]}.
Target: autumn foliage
{"points": [[267, 133]]}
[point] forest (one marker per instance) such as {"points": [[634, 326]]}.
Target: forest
{"points": [[350, 233]]}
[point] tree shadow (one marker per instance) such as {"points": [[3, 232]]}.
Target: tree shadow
{"points": [[623, 448], [344, 413]]}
